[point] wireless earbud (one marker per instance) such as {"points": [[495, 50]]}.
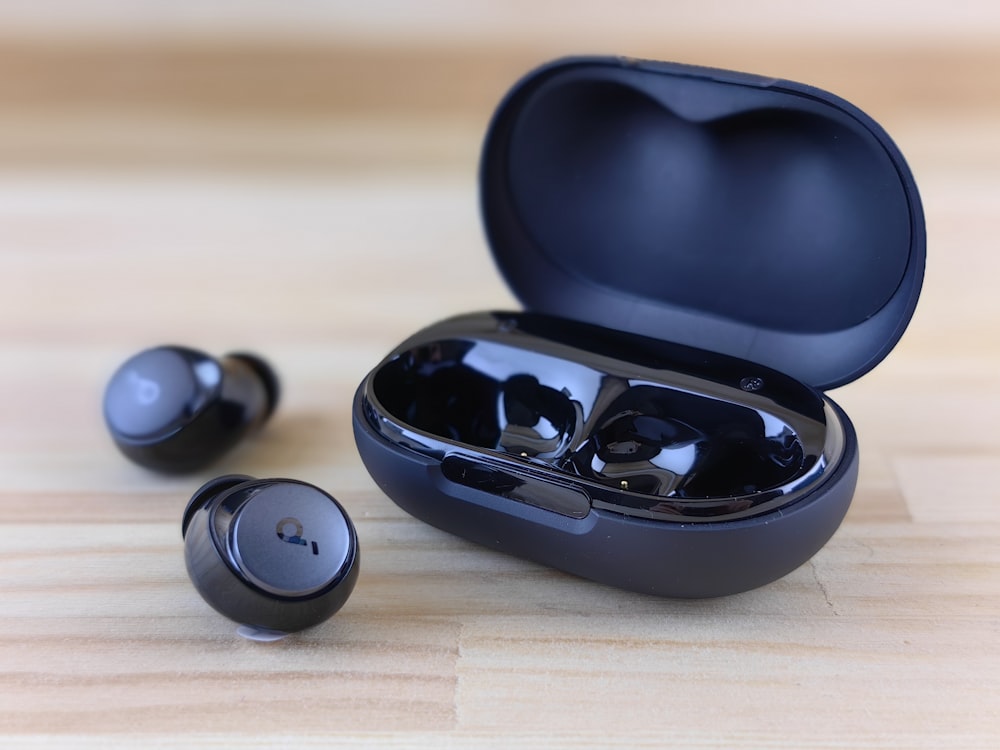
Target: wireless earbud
{"points": [[277, 555], [175, 409]]}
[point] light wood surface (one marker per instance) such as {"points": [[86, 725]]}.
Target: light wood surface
{"points": [[301, 182]]}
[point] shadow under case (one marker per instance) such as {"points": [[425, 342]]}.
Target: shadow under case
{"points": [[701, 254]]}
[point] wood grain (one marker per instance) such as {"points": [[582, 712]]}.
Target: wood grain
{"points": [[312, 195]]}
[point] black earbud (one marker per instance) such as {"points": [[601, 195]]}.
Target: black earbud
{"points": [[175, 409], [277, 555]]}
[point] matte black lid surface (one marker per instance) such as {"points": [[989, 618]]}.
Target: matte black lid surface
{"points": [[754, 217]]}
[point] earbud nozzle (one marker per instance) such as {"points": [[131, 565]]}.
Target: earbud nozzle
{"points": [[268, 377]]}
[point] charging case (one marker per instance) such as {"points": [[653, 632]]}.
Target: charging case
{"points": [[701, 254]]}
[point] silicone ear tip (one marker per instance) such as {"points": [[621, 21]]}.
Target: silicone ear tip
{"points": [[211, 487], [260, 635], [267, 375]]}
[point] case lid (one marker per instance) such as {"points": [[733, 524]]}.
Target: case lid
{"points": [[755, 217]]}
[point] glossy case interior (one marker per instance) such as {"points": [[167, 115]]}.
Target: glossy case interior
{"points": [[702, 253], [643, 427]]}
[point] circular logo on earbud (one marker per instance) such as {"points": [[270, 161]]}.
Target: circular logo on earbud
{"points": [[146, 392], [291, 539], [153, 391], [290, 530]]}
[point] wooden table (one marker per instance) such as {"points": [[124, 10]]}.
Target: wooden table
{"points": [[304, 186]]}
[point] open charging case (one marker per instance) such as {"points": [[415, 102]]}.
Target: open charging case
{"points": [[701, 254]]}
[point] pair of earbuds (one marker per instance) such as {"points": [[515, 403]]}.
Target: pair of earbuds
{"points": [[275, 555]]}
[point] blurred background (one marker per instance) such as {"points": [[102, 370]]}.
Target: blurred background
{"points": [[310, 85]]}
